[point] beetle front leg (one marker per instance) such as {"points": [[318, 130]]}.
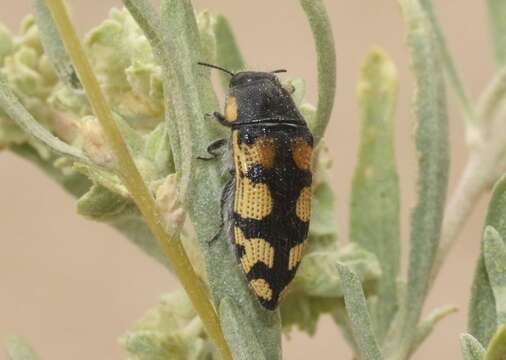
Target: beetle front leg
{"points": [[214, 149], [220, 118]]}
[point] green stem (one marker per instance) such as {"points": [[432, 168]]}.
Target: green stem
{"points": [[129, 173]]}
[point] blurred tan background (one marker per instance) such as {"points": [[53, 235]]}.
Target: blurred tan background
{"points": [[72, 286]]}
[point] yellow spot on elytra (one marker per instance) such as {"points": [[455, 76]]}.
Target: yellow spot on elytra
{"points": [[231, 109], [255, 250], [262, 152], [295, 256], [303, 206], [252, 200], [261, 288], [301, 153]]}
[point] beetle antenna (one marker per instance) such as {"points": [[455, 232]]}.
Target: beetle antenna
{"points": [[279, 71], [216, 67]]}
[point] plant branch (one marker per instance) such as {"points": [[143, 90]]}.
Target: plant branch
{"points": [[484, 167], [462, 201], [129, 173]]}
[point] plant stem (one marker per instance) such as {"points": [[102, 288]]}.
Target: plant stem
{"points": [[129, 173], [462, 202]]}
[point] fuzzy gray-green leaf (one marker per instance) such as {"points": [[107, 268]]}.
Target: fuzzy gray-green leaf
{"points": [[11, 105], [433, 161], [497, 23], [471, 348], [356, 307], [18, 349], [53, 45], [185, 109], [495, 262], [243, 343], [482, 307], [447, 61], [228, 54], [375, 193], [326, 53]]}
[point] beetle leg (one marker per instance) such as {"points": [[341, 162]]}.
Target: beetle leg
{"points": [[214, 149], [221, 119]]}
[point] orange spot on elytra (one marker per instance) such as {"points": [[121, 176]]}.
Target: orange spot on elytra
{"points": [[301, 153]]}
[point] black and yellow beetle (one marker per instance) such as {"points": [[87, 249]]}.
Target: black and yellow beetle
{"points": [[266, 205]]}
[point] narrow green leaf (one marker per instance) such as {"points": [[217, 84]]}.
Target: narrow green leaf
{"points": [[53, 45], [497, 23], [238, 333], [433, 161], [228, 54], [482, 307], [497, 348], [471, 348], [425, 328], [356, 307], [374, 213], [11, 105], [449, 65], [326, 53], [342, 320], [18, 349], [185, 106], [495, 262]]}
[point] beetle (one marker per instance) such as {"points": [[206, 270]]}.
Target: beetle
{"points": [[266, 204]]}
